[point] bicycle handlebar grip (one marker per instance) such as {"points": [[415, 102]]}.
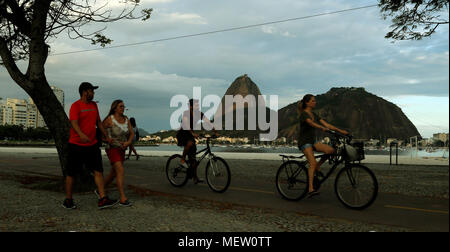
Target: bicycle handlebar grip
{"points": [[348, 137]]}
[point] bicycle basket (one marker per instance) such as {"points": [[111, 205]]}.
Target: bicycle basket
{"points": [[354, 152]]}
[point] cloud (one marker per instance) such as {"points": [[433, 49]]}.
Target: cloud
{"points": [[287, 59], [188, 18], [268, 29], [156, 1], [274, 31]]}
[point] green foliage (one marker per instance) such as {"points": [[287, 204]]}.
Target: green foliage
{"points": [[146, 13], [438, 143], [101, 39], [15, 132], [414, 19]]}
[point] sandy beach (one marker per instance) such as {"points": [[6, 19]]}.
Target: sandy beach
{"points": [[371, 159]]}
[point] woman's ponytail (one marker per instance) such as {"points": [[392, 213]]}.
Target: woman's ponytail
{"points": [[301, 105]]}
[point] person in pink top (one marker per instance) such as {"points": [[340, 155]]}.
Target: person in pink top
{"points": [[83, 149]]}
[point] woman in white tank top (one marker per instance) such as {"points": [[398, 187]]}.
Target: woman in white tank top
{"points": [[120, 131]]}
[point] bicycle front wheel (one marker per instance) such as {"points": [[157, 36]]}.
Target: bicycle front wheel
{"points": [[292, 180], [356, 186], [176, 174], [218, 175]]}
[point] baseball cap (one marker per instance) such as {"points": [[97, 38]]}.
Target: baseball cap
{"points": [[86, 86]]}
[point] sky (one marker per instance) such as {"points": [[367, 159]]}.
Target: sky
{"points": [[288, 59]]}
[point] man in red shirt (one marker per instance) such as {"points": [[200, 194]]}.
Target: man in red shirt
{"points": [[83, 149]]}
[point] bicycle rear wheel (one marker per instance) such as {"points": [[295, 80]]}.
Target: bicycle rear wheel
{"points": [[356, 186], [218, 175], [292, 180], [176, 174]]}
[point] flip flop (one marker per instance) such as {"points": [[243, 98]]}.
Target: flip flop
{"points": [[313, 193]]}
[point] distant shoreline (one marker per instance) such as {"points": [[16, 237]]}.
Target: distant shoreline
{"points": [[44, 144], [370, 159], [26, 144]]}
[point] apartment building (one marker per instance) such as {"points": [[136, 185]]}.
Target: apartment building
{"points": [[441, 137], [6, 114], [21, 112]]}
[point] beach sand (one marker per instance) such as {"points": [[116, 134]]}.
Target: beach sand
{"points": [[370, 159]]}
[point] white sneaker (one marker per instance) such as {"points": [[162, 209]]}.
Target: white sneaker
{"points": [[184, 165], [96, 193]]}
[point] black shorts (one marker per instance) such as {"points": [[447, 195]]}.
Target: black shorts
{"points": [[184, 136], [192, 154], [89, 157]]}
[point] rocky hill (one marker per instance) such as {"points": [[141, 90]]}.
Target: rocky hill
{"points": [[364, 114], [243, 86]]}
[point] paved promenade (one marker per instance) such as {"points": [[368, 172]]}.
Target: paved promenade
{"points": [[412, 198]]}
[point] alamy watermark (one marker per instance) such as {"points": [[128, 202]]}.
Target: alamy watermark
{"points": [[223, 111]]}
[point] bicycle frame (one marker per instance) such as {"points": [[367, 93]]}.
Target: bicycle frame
{"points": [[207, 151], [332, 169], [292, 184], [336, 159]]}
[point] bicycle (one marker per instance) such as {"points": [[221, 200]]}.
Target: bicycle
{"points": [[355, 185], [217, 171]]}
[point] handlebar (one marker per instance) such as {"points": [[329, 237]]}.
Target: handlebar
{"points": [[336, 134]]}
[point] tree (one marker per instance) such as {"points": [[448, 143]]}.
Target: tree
{"points": [[414, 19], [26, 26], [438, 143]]}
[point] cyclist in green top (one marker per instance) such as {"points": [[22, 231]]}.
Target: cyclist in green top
{"points": [[309, 122]]}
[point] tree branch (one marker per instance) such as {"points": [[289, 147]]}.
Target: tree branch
{"points": [[17, 17], [38, 47], [11, 66], [22, 22], [413, 19]]}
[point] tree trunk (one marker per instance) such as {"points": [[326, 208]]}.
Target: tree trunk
{"points": [[59, 125], [49, 107], [55, 118], [35, 83]]}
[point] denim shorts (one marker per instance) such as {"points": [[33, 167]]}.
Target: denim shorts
{"points": [[305, 146]]}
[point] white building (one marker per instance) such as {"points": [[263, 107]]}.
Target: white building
{"points": [[6, 114], [59, 93], [151, 138], [32, 115], [39, 120], [20, 112], [441, 137], [169, 139]]}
